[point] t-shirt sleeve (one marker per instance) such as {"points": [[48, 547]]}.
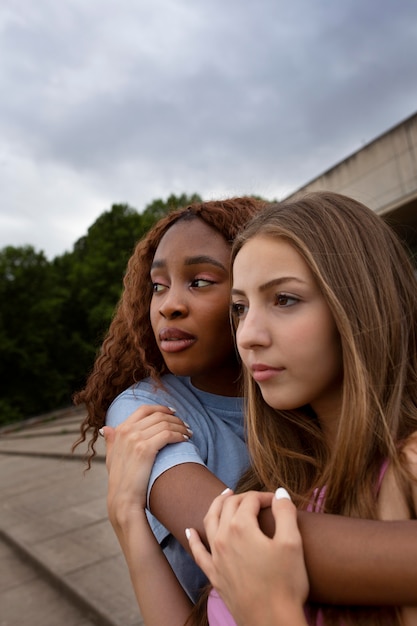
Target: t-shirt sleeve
{"points": [[124, 405], [170, 456]]}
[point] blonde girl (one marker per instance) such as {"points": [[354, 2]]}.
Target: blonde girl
{"points": [[324, 299]]}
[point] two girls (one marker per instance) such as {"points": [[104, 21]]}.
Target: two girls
{"points": [[183, 487]]}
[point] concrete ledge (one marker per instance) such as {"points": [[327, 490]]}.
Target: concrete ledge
{"points": [[74, 594]]}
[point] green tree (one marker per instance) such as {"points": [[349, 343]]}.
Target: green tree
{"points": [[158, 208], [96, 268], [29, 322]]}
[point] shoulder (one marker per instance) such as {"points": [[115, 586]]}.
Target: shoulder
{"points": [[392, 503], [410, 453], [170, 390], [146, 391]]}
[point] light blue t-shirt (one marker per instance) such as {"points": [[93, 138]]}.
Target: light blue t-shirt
{"points": [[217, 443]]}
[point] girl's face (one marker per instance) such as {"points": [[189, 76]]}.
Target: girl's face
{"points": [[286, 334], [190, 306]]}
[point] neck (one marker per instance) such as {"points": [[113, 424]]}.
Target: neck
{"points": [[222, 382]]}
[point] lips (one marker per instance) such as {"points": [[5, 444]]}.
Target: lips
{"points": [[262, 372], [175, 339]]}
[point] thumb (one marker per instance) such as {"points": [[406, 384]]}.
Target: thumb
{"points": [[200, 553], [285, 514], [109, 435], [108, 432]]}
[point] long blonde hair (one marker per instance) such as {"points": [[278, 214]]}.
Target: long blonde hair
{"points": [[367, 279]]}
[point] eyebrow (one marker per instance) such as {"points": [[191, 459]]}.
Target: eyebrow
{"points": [[192, 260], [275, 282]]}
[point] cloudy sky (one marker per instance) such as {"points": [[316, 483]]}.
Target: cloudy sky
{"points": [[108, 101]]}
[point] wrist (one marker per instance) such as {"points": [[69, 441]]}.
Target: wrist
{"points": [[274, 613], [124, 516], [136, 538]]}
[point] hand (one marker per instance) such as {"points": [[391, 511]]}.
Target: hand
{"points": [[131, 449], [261, 580], [130, 453]]}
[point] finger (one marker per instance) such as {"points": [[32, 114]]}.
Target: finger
{"points": [[285, 514], [160, 434], [145, 445], [108, 433], [156, 418], [147, 409], [217, 505], [200, 553], [253, 501], [216, 511], [248, 509]]}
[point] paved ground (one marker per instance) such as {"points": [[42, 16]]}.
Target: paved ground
{"points": [[60, 563]]}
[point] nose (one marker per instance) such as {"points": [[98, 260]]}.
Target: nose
{"points": [[252, 332], [173, 306]]}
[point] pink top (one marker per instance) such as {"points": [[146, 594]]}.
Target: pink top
{"points": [[217, 612]]}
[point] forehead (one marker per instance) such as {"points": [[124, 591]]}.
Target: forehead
{"points": [[192, 237], [265, 258]]}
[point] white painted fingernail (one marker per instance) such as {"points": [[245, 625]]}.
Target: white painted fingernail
{"points": [[282, 493], [172, 409], [101, 432], [225, 491], [187, 533]]}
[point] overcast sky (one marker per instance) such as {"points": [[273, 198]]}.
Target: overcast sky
{"points": [[109, 101]]}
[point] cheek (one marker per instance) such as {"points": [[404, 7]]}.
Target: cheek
{"points": [[302, 334], [216, 316], [153, 312], [240, 348], [221, 325], [311, 341]]}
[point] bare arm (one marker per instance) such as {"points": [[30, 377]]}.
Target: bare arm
{"points": [[353, 561], [349, 561], [130, 453], [181, 496], [160, 597]]}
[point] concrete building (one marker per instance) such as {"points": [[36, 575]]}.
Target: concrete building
{"points": [[382, 175]]}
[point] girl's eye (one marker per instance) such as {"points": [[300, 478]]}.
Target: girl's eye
{"points": [[158, 287], [237, 309], [201, 282], [284, 300]]}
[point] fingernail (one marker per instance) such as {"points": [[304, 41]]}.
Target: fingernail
{"points": [[282, 493], [172, 409], [225, 491], [188, 533], [189, 430], [101, 431]]}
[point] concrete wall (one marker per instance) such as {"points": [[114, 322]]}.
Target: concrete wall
{"points": [[382, 175]]}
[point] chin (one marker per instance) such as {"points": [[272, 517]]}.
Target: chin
{"points": [[279, 404]]}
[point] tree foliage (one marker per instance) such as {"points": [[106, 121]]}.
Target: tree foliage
{"points": [[53, 314]]}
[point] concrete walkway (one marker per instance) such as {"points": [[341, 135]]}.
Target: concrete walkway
{"points": [[60, 562]]}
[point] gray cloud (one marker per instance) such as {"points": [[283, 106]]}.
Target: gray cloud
{"points": [[111, 101]]}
